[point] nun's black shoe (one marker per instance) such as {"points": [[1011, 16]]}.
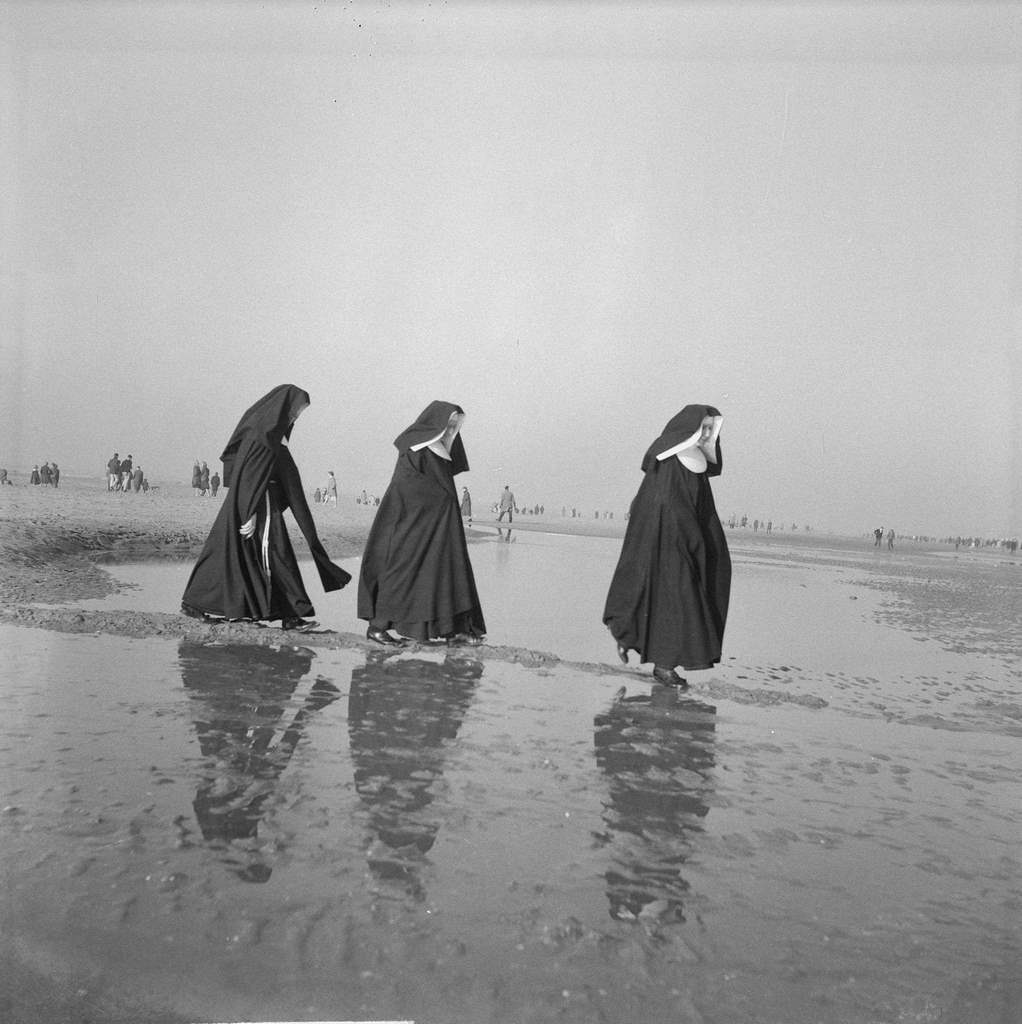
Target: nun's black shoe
{"points": [[298, 625], [622, 653], [192, 613], [381, 636], [669, 677]]}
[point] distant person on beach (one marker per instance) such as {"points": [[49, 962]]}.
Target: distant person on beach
{"points": [[247, 568], [466, 505], [669, 595], [196, 479], [878, 536], [4, 479], [45, 476], [890, 540], [34, 477], [330, 488], [203, 479], [137, 478], [113, 473], [507, 504], [416, 575], [56, 474], [214, 483]]}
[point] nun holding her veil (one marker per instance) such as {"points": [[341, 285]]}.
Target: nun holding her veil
{"points": [[668, 598], [416, 576]]}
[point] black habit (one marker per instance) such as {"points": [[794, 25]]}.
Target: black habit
{"points": [[668, 598], [416, 576], [257, 577]]}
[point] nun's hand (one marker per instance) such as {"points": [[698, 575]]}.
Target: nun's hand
{"points": [[248, 528]]}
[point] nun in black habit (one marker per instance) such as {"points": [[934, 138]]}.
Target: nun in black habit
{"points": [[668, 598], [416, 576], [247, 568]]}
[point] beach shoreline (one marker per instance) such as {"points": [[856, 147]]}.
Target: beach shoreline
{"points": [[54, 544]]}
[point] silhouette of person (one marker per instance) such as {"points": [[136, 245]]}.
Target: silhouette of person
{"points": [[506, 504], [403, 715], [656, 752], [416, 576], [329, 491], [248, 568], [668, 599]]}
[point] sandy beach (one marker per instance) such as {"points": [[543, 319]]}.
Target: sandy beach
{"points": [[223, 822]]}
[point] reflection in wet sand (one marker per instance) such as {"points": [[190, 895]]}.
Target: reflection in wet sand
{"points": [[657, 753], [240, 696], [402, 714]]}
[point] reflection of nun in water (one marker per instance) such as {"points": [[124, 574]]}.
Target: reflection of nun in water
{"points": [[402, 716], [247, 568], [247, 733], [657, 753]]}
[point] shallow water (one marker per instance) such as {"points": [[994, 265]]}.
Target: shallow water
{"points": [[826, 829]]}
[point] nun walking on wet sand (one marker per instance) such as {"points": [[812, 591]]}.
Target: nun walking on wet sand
{"points": [[669, 595], [247, 568], [416, 575]]}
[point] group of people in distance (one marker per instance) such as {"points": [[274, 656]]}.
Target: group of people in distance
{"points": [[203, 483], [668, 598], [123, 475], [47, 476], [327, 494]]}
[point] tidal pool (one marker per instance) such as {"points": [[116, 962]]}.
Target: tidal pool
{"points": [[824, 829]]}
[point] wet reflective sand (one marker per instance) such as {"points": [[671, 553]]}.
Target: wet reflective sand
{"points": [[825, 829]]}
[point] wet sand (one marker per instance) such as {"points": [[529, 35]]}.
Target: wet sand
{"points": [[223, 823]]}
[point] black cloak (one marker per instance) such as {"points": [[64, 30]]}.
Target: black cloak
{"points": [[231, 578], [669, 596], [416, 576]]}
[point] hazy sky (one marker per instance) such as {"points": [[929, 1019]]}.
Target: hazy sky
{"points": [[571, 219]]}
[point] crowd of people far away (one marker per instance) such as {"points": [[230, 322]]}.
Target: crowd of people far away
{"points": [[204, 483], [124, 475], [46, 475]]}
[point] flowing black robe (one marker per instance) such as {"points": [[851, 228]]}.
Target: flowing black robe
{"points": [[416, 575], [230, 577], [669, 595]]}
